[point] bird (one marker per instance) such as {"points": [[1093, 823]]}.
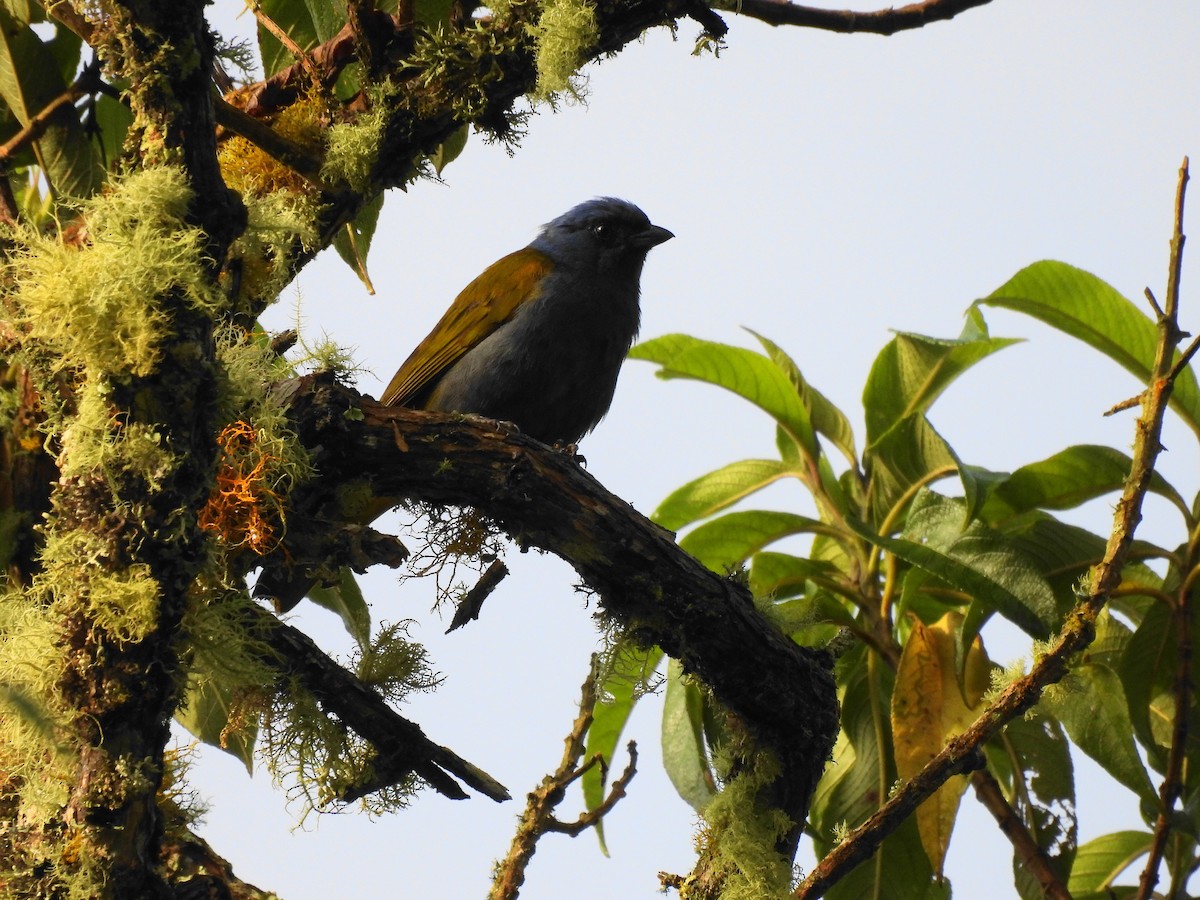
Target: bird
{"points": [[536, 340]]}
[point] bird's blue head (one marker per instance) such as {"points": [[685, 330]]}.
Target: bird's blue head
{"points": [[605, 234]]}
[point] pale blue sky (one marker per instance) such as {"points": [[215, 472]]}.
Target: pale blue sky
{"points": [[823, 189]]}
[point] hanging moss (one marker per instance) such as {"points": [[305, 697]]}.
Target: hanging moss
{"points": [[280, 225], [353, 147], [565, 32], [740, 835], [97, 307]]}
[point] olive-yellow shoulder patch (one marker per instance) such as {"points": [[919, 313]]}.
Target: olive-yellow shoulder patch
{"points": [[483, 306]]}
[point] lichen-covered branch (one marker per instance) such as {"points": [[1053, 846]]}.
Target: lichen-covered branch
{"points": [[402, 748], [1181, 606], [783, 694], [135, 450]]}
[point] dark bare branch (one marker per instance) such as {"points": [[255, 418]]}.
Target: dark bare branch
{"points": [[881, 21]]}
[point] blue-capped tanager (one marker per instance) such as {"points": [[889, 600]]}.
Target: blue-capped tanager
{"points": [[539, 337], [537, 340]]}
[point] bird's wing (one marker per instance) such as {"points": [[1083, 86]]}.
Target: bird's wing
{"points": [[484, 304]]}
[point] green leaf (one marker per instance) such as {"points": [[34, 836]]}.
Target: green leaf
{"points": [[853, 786], [204, 712], [780, 575], [850, 787], [112, 119], [1064, 553], [1147, 669], [1068, 479], [29, 81], [744, 372], [346, 599], [631, 675], [1099, 862], [709, 494], [353, 241], [1079, 304], [307, 22], [1040, 779], [66, 47], [449, 150], [908, 455], [23, 11], [827, 419], [684, 757], [1090, 702], [912, 371], [978, 486], [975, 560], [725, 543]]}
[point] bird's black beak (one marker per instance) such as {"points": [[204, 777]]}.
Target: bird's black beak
{"points": [[651, 237]]}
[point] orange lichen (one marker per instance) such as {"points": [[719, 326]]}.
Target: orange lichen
{"points": [[243, 507]]}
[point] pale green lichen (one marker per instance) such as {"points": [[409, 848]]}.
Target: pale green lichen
{"points": [[316, 757], [352, 148], [742, 835], [94, 441], [394, 665], [123, 602], [565, 32], [1001, 677], [279, 224], [99, 307], [31, 758]]}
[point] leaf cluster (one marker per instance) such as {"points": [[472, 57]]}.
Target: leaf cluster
{"points": [[911, 551]]}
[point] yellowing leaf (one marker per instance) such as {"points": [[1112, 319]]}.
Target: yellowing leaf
{"points": [[930, 705]]}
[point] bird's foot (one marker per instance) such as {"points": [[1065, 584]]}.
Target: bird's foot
{"points": [[500, 425], [571, 450]]}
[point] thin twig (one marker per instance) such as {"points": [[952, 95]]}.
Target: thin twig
{"points": [[1078, 631], [472, 602], [1032, 856], [882, 21], [1172, 784], [538, 817], [1185, 358], [86, 83], [286, 39], [1153, 301], [1124, 405]]}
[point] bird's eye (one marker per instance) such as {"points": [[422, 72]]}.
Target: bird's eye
{"points": [[601, 230]]}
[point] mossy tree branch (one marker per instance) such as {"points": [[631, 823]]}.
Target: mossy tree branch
{"points": [[783, 695], [118, 685]]}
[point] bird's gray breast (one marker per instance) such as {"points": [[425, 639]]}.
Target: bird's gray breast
{"points": [[552, 368]]}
